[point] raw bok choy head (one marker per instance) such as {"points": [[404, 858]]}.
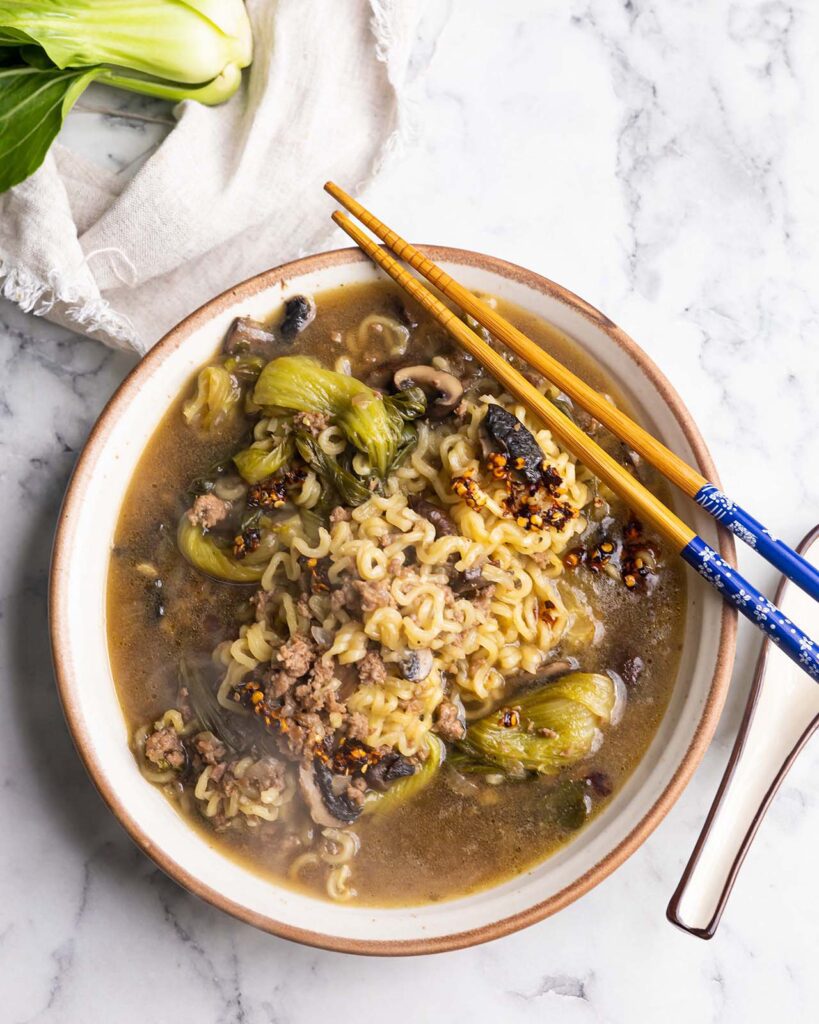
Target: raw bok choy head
{"points": [[51, 50], [374, 424]]}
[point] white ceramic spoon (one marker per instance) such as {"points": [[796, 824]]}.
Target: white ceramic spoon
{"points": [[781, 714]]}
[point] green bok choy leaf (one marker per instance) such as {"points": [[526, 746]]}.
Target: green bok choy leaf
{"points": [[205, 554], [550, 728], [372, 423], [51, 50]]}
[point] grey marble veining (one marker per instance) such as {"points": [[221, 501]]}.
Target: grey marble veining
{"points": [[658, 159]]}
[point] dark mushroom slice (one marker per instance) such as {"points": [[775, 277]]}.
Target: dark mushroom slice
{"points": [[519, 444], [380, 375], [443, 390], [389, 769], [417, 665], [298, 313], [444, 526], [325, 805], [246, 335], [469, 583]]}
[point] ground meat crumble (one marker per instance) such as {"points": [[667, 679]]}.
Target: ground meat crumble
{"points": [[164, 749], [208, 511], [312, 422], [371, 669], [447, 722], [297, 655]]}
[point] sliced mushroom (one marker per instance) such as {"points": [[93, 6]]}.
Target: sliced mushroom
{"points": [[298, 313], [325, 805], [444, 527], [392, 767], [417, 665], [470, 582], [443, 390], [246, 335]]}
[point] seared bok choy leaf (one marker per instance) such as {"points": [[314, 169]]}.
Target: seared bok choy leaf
{"points": [[52, 49], [350, 489], [409, 404], [550, 728], [405, 789], [372, 423], [256, 464], [204, 554], [217, 393]]}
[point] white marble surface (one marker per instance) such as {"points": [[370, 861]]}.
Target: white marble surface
{"points": [[659, 159]]}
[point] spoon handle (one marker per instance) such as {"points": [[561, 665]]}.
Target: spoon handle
{"points": [[781, 714]]}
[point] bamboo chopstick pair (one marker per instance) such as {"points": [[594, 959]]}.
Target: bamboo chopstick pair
{"points": [[726, 580]]}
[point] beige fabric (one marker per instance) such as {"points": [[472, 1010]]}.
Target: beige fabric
{"points": [[231, 191]]}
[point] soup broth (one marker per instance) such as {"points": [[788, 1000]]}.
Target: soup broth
{"points": [[392, 676]]}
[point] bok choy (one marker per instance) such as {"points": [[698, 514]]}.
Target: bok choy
{"points": [[348, 487], [204, 553], [51, 50], [550, 728], [373, 423], [256, 463]]}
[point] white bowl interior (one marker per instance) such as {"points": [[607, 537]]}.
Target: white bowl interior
{"points": [[87, 673]]}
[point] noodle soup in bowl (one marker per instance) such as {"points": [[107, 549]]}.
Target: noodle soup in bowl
{"points": [[371, 661]]}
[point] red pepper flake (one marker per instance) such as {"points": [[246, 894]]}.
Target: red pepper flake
{"points": [[272, 492], [354, 758], [251, 696], [467, 489], [509, 718], [246, 542], [318, 570], [552, 480], [546, 612], [633, 530]]}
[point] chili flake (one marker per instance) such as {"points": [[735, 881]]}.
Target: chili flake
{"points": [[246, 542], [509, 718]]}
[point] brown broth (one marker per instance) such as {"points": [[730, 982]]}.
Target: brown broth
{"points": [[461, 833]]}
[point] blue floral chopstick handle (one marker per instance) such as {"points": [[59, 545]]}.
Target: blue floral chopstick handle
{"points": [[754, 534], [753, 605]]}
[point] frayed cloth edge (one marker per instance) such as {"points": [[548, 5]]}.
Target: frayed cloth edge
{"points": [[42, 297]]}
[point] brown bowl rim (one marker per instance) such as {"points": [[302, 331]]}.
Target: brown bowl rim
{"points": [[58, 628]]}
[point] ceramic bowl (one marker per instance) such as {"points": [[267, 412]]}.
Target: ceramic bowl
{"points": [[78, 582]]}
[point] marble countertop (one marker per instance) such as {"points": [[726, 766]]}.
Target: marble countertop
{"points": [[658, 159]]}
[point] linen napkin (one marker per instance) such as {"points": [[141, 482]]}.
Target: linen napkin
{"points": [[231, 191]]}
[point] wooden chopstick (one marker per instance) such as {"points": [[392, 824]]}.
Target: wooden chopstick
{"points": [[688, 479], [692, 548], [578, 442]]}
